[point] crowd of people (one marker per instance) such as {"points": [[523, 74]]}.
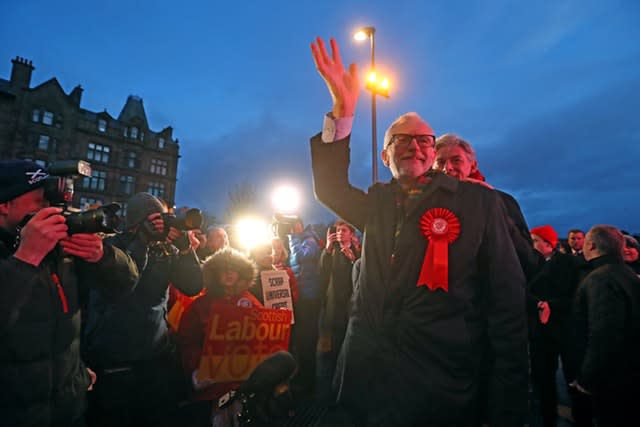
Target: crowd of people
{"points": [[429, 301]]}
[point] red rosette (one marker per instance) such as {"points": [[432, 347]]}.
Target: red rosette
{"points": [[440, 227]]}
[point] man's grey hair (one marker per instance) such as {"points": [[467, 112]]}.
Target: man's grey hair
{"points": [[607, 239], [388, 135], [213, 228], [452, 140]]}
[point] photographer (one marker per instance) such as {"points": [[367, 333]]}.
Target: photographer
{"points": [[341, 251], [44, 382], [128, 342]]}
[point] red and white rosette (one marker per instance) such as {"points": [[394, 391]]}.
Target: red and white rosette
{"points": [[440, 227]]}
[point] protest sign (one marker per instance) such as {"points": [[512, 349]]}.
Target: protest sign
{"points": [[276, 290], [238, 339]]}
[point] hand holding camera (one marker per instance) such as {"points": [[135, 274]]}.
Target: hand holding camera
{"points": [[165, 227], [85, 246], [179, 239], [40, 235]]}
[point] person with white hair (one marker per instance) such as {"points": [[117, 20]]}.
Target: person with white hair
{"points": [[457, 158], [440, 284]]}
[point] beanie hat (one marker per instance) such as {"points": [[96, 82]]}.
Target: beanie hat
{"points": [[18, 177], [547, 233], [140, 206]]}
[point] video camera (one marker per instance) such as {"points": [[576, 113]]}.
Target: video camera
{"points": [[58, 190], [283, 224]]}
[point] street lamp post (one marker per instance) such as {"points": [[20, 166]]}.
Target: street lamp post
{"points": [[374, 137], [377, 87]]}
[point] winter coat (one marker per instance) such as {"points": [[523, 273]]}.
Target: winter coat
{"points": [[135, 328], [336, 289], [43, 382], [191, 336], [556, 283], [606, 315], [305, 252], [411, 355]]}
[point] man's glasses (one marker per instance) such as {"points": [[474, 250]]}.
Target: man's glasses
{"points": [[402, 140]]}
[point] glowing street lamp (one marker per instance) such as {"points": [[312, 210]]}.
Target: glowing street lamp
{"points": [[377, 87], [285, 200], [251, 232]]}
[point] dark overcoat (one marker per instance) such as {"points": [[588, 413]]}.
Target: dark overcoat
{"points": [[411, 356]]}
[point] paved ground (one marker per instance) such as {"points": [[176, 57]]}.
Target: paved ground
{"points": [[312, 414]]}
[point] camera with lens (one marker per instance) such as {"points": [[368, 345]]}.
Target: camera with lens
{"points": [[190, 220], [58, 190], [283, 224]]}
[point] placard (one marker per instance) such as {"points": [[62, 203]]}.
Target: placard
{"points": [[276, 290], [238, 339]]}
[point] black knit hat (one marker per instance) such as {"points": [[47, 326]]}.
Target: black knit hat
{"points": [[140, 206], [18, 177]]}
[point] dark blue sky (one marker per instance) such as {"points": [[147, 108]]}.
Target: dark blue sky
{"points": [[548, 92]]}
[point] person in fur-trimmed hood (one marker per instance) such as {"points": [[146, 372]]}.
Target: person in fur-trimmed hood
{"points": [[227, 276]]}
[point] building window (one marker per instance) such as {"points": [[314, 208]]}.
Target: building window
{"points": [[159, 167], [130, 159], [47, 118], [141, 136], [127, 184], [96, 181], [123, 209], [156, 188], [125, 132], [35, 116], [98, 153], [161, 143], [134, 132], [87, 202], [43, 142], [102, 125]]}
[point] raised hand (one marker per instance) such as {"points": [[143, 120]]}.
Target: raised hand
{"points": [[40, 235], [343, 85]]}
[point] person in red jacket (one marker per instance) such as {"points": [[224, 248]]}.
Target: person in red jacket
{"points": [[227, 277]]}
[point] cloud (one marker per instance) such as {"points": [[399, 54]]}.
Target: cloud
{"points": [[263, 153], [574, 163], [552, 26]]}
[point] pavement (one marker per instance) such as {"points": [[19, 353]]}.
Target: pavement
{"points": [[311, 413]]}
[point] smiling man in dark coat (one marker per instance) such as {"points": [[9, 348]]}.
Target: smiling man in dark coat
{"points": [[423, 314]]}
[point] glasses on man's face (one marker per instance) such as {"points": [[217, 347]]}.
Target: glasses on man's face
{"points": [[403, 140]]}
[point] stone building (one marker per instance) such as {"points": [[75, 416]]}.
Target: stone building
{"points": [[44, 124]]}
